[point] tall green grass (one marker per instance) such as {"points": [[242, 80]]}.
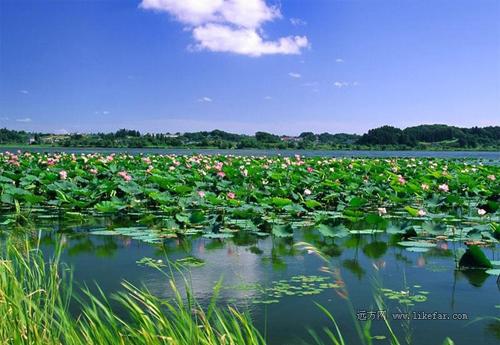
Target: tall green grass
{"points": [[34, 306]]}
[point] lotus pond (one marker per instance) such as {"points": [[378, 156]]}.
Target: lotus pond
{"points": [[283, 233]]}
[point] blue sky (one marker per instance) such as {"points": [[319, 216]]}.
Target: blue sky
{"points": [[248, 65]]}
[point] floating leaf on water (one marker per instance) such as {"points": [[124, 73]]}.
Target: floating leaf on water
{"points": [[104, 233], [365, 231], [417, 249], [218, 235], [495, 262], [146, 261], [493, 271], [270, 301], [191, 261], [419, 298], [417, 244]]}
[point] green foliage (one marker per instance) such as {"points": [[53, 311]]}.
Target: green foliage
{"points": [[474, 258], [446, 136], [36, 294], [218, 196], [418, 137]]}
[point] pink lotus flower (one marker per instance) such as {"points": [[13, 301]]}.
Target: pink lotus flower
{"points": [[93, 171], [421, 213], [125, 176], [14, 160], [218, 166], [149, 169], [401, 179], [381, 211], [310, 170], [307, 192], [491, 177], [443, 187], [63, 175], [201, 194], [231, 195], [221, 174], [481, 211]]}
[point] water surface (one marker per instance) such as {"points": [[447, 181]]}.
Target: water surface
{"points": [[486, 155], [248, 264]]}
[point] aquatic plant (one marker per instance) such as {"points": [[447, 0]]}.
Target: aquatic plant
{"points": [[35, 296], [217, 196]]}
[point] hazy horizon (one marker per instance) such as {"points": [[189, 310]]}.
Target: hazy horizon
{"points": [[283, 67]]}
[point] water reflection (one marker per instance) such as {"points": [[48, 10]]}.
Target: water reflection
{"points": [[249, 264]]}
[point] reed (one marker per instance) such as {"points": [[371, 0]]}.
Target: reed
{"points": [[35, 295]]}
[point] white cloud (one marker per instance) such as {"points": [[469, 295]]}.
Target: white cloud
{"points": [[294, 75], [25, 119], [245, 13], [205, 99], [339, 60], [341, 84], [267, 98], [223, 38], [24, 92], [297, 21], [233, 26]]}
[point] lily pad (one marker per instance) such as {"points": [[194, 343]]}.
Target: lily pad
{"points": [[493, 271], [417, 244]]}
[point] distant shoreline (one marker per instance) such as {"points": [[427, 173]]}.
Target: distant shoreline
{"points": [[417, 138]]}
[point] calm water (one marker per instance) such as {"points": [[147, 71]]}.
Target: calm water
{"points": [[486, 155], [247, 261]]}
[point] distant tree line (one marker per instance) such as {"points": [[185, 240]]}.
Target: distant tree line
{"points": [[385, 137], [433, 134]]}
